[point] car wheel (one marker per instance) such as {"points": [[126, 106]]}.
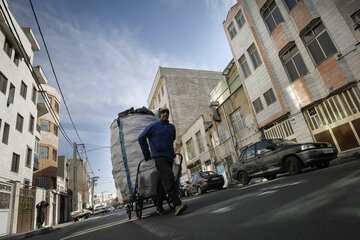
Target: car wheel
{"points": [[243, 178], [186, 193], [293, 165], [323, 164], [199, 190], [271, 177]]}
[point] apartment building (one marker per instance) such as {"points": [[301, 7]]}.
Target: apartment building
{"points": [[46, 175], [186, 93], [299, 65], [20, 106]]}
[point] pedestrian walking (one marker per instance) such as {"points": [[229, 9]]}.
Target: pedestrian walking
{"points": [[161, 136], [41, 207]]}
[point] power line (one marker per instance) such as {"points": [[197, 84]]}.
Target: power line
{"points": [[53, 70], [29, 65]]}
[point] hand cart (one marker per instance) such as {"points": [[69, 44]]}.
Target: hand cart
{"points": [[139, 200]]}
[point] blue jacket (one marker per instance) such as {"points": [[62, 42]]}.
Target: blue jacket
{"points": [[161, 137]]}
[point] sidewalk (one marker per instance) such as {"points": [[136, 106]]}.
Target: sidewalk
{"points": [[29, 234]]}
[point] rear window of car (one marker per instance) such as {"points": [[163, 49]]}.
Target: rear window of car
{"points": [[205, 174], [281, 142]]}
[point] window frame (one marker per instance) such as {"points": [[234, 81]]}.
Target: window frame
{"points": [[272, 99], [232, 30], [236, 122], [6, 133], [54, 155], [240, 19], [287, 5], [40, 152], [255, 105], [42, 121], [15, 163], [3, 83], [190, 149], [291, 58], [8, 48], [19, 124], [270, 14], [315, 38], [200, 143], [221, 133], [28, 157], [254, 56], [245, 69], [31, 124], [23, 90]]}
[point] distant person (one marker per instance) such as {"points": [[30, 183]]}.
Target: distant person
{"points": [[161, 136], [41, 207]]}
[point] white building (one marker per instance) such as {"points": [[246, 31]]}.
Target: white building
{"points": [[19, 109]]}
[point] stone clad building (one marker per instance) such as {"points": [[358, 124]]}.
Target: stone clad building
{"points": [[300, 66]]}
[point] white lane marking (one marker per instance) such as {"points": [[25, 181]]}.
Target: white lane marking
{"points": [[98, 228]]}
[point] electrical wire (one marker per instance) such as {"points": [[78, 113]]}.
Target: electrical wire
{"points": [[53, 69], [29, 65]]}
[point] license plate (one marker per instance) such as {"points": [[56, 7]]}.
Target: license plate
{"points": [[215, 178], [328, 150]]}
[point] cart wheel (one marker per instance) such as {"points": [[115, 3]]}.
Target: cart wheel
{"points": [[128, 212], [138, 209]]}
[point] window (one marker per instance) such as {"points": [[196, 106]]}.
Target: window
{"points": [[6, 131], [8, 48], [37, 146], [33, 95], [200, 142], [3, 83], [57, 109], [356, 17], [294, 63], [240, 19], [11, 95], [237, 120], [17, 59], [28, 157], [250, 152], [41, 181], [272, 16], [19, 122], [56, 130], [26, 183], [221, 132], [269, 97], [15, 162], [244, 66], [258, 105], [261, 147], [232, 30], [44, 125], [291, 3], [255, 58], [31, 124], [54, 155], [23, 90], [44, 152], [319, 43], [190, 149]]}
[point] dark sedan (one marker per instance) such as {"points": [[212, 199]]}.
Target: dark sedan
{"points": [[201, 182], [269, 157]]}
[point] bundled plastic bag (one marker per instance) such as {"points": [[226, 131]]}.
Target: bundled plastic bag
{"points": [[126, 153]]}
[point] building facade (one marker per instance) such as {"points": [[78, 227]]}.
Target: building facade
{"points": [[46, 175], [185, 92], [299, 65]]}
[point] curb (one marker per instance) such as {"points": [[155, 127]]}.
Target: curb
{"points": [[29, 234]]}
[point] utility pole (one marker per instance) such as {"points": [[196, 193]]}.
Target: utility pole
{"points": [[75, 198], [92, 192]]}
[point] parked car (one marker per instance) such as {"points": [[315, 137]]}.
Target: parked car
{"points": [[269, 157], [77, 215], [110, 209], [201, 182], [99, 209]]}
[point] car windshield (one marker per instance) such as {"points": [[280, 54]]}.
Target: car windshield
{"points": [[205, 174], [281, 142]]}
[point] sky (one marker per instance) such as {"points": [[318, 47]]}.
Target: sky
{"points": [[106, 55]]}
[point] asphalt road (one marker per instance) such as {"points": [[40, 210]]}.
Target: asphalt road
{"points": [[317, 204]]}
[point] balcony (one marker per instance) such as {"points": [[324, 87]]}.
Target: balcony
{"points": [[40, 75], [41, 104]]}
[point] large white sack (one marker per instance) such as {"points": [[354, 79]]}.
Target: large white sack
{"points": [[132, 125]]}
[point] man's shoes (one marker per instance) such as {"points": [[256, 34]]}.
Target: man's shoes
{"points": [[160, 211], [180, 209]]}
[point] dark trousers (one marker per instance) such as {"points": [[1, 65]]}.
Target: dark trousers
{"points": [[166, 181]]}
